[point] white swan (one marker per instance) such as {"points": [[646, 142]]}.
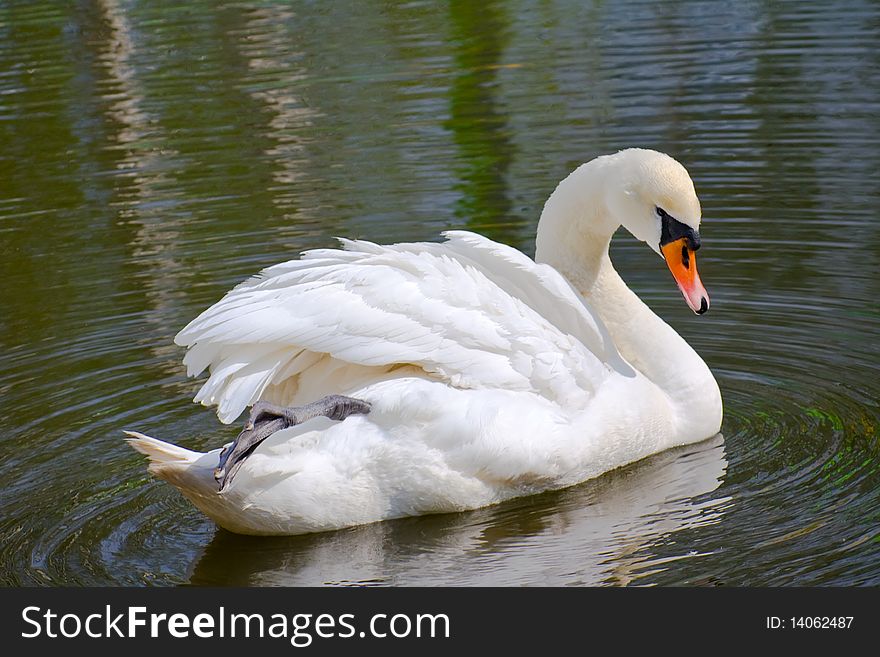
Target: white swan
{"points": [[490, 376]]}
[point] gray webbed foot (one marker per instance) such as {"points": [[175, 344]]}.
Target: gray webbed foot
{"points": [[265, 419]]}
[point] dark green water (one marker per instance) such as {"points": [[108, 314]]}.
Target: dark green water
{"points": [[152, 156]]}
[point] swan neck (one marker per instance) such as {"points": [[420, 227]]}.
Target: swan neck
{"points": [[575, 227], [574, 234]]}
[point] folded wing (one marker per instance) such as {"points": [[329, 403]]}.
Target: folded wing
{"points": [[468, 311]]}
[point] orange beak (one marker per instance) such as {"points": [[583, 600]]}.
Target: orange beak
{"points": [[682, 262]]}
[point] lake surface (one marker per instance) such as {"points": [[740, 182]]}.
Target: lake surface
{"points": [[151, 157]]}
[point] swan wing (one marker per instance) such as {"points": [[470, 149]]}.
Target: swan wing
{"points": [[540, 286], [469, 311]]}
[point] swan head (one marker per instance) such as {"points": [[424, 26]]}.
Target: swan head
{"points": [[653, 197]]}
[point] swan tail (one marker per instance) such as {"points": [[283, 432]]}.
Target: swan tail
{"points": [[192, 473], [189, 471], [162, 455]]}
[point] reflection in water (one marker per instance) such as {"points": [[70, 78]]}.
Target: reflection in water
{"points": [[265, 43], [155, 236], [477, 123], [599, 533]]}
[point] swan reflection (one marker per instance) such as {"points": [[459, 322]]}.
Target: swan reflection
{"points": [[601, 532]]}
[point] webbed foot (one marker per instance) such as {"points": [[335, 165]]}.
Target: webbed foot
{"points": [[265, 419]]}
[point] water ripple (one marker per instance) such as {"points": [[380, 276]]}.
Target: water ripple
{"points": [[153, 157]]}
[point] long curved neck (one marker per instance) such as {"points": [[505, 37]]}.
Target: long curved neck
{"points": [[575, 228], [574, 234]]}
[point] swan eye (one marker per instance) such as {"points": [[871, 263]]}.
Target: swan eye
{"points": [[660, 212]]}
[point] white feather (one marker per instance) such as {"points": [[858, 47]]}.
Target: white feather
{"points": [[468, 312]]}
